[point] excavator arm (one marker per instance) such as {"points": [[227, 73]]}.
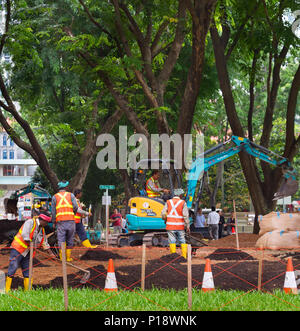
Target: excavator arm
{"points": [[11, 204], [31, 188], [203, 162]]}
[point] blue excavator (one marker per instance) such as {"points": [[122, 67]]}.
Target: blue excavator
{"points": [[144, 221], [40, 197]]}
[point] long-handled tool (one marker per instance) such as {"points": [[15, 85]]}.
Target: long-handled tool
{"points": [[195, 242], [86, 275]]}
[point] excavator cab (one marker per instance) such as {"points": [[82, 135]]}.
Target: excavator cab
{"points": [[170, 177]]}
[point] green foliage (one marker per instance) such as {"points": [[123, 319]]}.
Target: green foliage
{"points": [[52, 78]]}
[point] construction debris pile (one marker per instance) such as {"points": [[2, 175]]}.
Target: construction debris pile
{"points": [[279, 231]]}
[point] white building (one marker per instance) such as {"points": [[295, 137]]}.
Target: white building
{"points": [[15, 170]]}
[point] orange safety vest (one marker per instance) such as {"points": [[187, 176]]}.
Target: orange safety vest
{"points": [[64, 207], [175, 219], [77, 216], [19, 244], [150, 193]]}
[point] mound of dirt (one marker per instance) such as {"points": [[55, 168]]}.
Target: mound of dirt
{"points": [[100, 255], [246, 240], [229, 254]]}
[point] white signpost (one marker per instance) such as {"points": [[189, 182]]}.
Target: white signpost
{"points": [[106, 200]]}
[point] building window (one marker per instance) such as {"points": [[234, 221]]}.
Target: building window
{"points": [[11, 143], [11, 154], [4, 140], [5, 155], [10, 170]]}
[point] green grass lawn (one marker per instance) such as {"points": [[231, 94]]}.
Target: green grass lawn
{"points": [[150, 300]]}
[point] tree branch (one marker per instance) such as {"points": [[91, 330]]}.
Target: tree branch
{"points": [[92, 19], [176, 47], [291, 143], [240, 30], [6, 26]]}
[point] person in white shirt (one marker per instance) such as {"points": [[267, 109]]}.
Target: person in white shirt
{"points": [[213, 223]]}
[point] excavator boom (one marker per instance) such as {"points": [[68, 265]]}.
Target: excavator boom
{"points": [[203, 162]]}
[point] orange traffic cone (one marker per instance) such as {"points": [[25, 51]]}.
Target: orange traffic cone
{"points": [[208, 281], [290, 285], [111, 282], [233, 230]]}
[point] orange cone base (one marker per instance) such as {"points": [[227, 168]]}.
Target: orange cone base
{"points": [[291, 290], [111, 290], [208, 289]]}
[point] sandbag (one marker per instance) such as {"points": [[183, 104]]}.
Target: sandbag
{"points": [[276, 221], [279, 240]]}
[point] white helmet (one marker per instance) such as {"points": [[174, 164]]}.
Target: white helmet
{"points": [[178, 192]]}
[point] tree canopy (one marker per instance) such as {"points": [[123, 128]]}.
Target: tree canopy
{"points": [[80, 68]]}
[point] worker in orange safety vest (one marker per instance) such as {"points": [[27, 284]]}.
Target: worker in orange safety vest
{"points": [[80, 231], [64, 207], [176, 215], [31, 231]]}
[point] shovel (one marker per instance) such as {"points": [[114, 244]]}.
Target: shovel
{"points": [[86, 275]]}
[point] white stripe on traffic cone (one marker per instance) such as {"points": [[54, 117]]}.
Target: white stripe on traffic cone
{"points": [[290, 285], [110, 281], [208, 281]]}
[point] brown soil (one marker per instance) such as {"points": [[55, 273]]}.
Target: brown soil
{"points": [[231, 268]]}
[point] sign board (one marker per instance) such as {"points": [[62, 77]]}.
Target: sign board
{"points": [[106, 200], [107, 187], [284, 201]]}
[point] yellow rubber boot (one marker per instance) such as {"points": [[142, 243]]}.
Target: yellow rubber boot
{"points": [[184, 250], [86, 243], [8, 284], [172, 248], [26, 284], [68, 255]]}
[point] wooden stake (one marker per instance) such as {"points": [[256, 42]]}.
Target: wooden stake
{"points": [[65, 278], [189, 272], [2, 282], [30, 264], [236, 227], [143, 268], [260, 263]]}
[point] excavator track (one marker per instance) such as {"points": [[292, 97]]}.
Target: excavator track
{"points": [[156, 239], [153, 239], [136, 239]]}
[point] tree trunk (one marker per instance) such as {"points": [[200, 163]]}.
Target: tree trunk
{"points": [[248, 163], [201, 17]]}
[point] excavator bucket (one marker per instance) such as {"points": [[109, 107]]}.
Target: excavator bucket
{"points": [[10, 206], [288, 188]]}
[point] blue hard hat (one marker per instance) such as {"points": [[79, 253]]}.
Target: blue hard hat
{"points": [[63, 184]]}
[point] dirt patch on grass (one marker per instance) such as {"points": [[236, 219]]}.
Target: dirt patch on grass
{"points": [[231, 268]]}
